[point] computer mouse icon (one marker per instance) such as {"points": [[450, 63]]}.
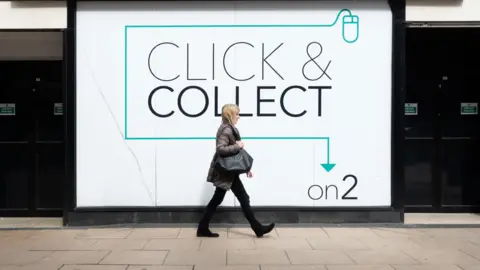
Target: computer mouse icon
{"points": [[350, 28]]}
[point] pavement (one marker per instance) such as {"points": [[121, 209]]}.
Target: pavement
{"points": [[327, 248], [411, 220]]}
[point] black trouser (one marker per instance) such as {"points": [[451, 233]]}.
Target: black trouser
{"points": [[239, 191]]}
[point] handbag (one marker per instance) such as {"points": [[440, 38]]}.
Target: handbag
{"points": [[239, 163]]}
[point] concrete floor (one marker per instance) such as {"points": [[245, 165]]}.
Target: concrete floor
{"points": [[410, 219], [237, 249], [18, 223], [471, 219], [42, 243]]}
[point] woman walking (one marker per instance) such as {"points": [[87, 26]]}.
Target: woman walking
{"points": [[229, 143]]}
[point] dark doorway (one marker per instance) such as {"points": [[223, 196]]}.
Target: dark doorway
{"points": [[442, 151], [32, 167]]}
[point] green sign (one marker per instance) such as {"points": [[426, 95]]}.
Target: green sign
{"points": [[469, 108], [7, 109], [411, 108], [58, 109]]}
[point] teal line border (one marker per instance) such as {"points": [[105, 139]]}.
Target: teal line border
{"points": [[127, 27]]}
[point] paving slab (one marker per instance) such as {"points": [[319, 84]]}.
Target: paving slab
{"points": [[94, 267], [75, 257], [422, 218], [149, 233], [381, 257], [31, 222], [283, 243], [34, 266], [257, 257], [17, 257], [427, 267], [359, 267], [228, 244], [158, 267], [130, 257], [174, 244], [228, 267], [196, 257], [293, 267], [318, 257]]}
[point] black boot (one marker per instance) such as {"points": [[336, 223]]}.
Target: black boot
{"points": [[242, 196], [261, 230], [256, 226], [203, 230]]}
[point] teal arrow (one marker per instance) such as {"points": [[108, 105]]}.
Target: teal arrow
{"points": [[328, 166]]}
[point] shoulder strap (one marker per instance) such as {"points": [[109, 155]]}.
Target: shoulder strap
{"points": [[234, 131]]}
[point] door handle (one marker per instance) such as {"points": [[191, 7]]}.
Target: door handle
{"points": [[457, 138]]}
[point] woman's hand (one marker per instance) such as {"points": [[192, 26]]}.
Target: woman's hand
{"points": [[249, 174], [240, 143]]}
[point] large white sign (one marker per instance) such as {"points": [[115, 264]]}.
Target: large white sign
{"points": [[312, 79]]}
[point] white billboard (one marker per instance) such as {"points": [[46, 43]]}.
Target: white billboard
{"points": [[312, 79]]}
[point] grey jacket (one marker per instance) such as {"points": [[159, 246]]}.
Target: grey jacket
{"points": [[226, 144]]}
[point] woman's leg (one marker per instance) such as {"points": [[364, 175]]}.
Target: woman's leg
{"points": [[203, 230], [239, 190]]}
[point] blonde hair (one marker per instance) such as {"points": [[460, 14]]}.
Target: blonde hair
{"points": [[228, 112]]}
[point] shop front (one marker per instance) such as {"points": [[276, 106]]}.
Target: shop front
{"points": [[441, 110], [109, 109], [32, 145], [319, 85], [354, 111]]}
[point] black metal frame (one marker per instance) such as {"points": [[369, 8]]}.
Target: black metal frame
{"points": [[297, 215], [398, 100], [69, 95]]}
